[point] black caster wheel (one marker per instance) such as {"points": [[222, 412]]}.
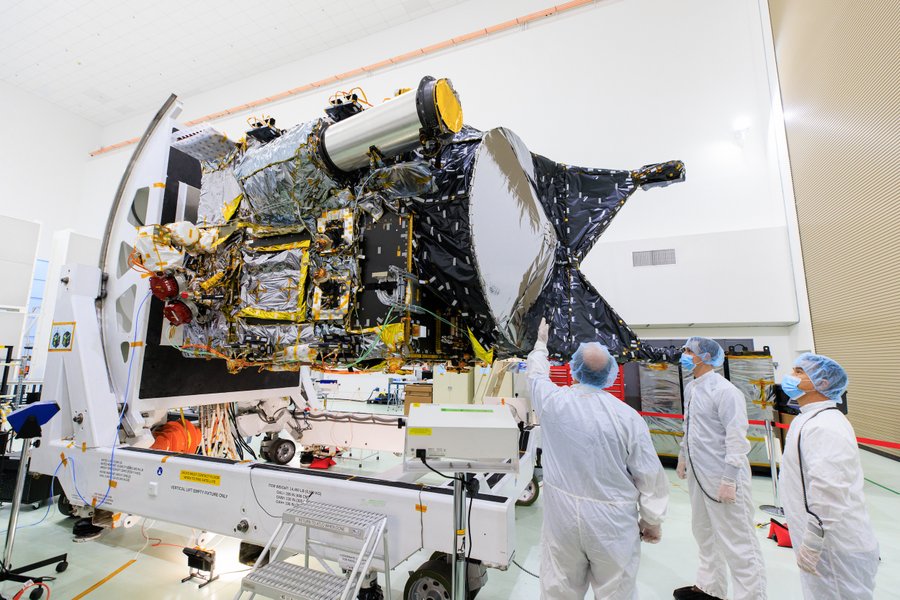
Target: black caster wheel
{"points": [[530, 493], [60, 567], [36, 594], [372, 593], [64, 506], [279, 451], [431, 581]]}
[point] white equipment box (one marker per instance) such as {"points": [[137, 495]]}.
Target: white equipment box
{"points": [[461, 438]]}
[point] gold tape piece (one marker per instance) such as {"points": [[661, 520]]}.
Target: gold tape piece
{"points": [[301, 283], [63, 459], [421, 508], [136, 344], [279, 247], [113, 483], [159, 184], [230, 208], [392, 335], [274, 315], [480, 353], [212, 281]]}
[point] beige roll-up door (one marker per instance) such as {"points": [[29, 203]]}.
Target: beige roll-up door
{"points": [[840, 82]]}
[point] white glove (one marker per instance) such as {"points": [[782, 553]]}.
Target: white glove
{"points": [[810, 551], [651, 534], [727, 491], [543, 331], [681, 469]]}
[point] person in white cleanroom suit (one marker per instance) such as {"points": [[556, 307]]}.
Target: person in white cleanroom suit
{"points": [[832, 536], [713, 458], [604, 487]]}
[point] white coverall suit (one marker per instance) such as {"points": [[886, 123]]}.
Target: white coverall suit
{"points": [[834, 491], [600, 473], [715, 446]]}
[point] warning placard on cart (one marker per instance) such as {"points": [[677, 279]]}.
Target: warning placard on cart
{"points": [[198, 477], [62, 336]]}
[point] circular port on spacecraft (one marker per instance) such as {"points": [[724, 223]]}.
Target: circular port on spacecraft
{"points": [[449, 109]]}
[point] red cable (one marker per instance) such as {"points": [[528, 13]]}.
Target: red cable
{"points": [[31, 585]]}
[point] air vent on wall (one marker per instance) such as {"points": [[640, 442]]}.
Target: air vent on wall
{"points": [[652, 258]]}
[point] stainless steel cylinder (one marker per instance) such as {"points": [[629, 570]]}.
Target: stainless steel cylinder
{"points": [[16, 502], [393, 127], [459, 566]]}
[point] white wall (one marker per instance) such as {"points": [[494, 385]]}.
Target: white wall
{"points": [[42, 162], [19, 238], [619, 83], [737, 277]]}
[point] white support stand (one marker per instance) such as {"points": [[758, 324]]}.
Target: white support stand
{"points": [[773, 509], [79, 382]]}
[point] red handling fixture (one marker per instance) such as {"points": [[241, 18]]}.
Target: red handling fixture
{"points": [[562, 375]]}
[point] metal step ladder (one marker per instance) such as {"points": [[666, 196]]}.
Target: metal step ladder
{"points": [[287, 581]]}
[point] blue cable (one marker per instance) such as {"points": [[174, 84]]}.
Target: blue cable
{"points": [[121, 414], [75, 482], [49, 506]]}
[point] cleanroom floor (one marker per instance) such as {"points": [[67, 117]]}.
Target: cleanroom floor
{"points": [[157, 571]]}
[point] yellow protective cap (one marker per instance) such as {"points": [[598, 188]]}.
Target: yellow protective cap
{"points": [[448, 107]]}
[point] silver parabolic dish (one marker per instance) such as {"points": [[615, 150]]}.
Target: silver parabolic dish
{"points": [[513, 242]]}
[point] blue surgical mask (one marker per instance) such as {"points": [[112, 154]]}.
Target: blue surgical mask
{"points": [[791, 386], [687, 363]]}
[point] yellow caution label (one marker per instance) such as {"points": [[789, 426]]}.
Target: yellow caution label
{"points": [[423, 431], [198, 477]]}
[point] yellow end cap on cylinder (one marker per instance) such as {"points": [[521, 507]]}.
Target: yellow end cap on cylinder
{"points": [[448, 107]]}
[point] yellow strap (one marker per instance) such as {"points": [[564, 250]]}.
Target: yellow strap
{"points": [[104, 580]]}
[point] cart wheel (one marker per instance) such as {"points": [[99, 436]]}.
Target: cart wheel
{"points": [[372, 593], [36, 593], [281, 451], [431, 581], [277, 450], [65, 507], [530, 493], [60, 567]]}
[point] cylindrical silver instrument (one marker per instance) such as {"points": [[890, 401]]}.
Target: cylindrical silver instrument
{"points": [[395, 126]]}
